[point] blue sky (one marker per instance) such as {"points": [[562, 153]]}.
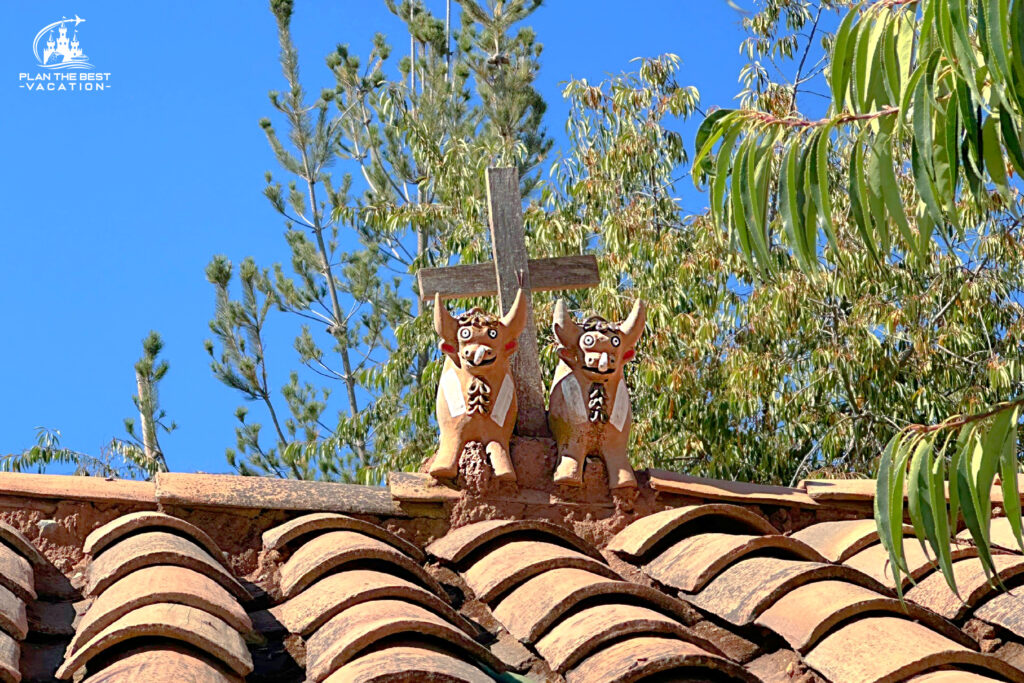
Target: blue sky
{"points": [[114, 201]]}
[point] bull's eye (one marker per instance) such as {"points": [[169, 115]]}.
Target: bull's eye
{"points": [[465, 333], [588, 340], [493, 334], [616, 341]]}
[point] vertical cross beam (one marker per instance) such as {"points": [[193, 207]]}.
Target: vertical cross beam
{"points": [[511, 263]]}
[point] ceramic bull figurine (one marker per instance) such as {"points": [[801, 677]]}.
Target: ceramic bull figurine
{"points": [[589, 410], [476, 400]]}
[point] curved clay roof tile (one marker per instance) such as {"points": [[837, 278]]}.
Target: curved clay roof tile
{"points": [[874, 561], [457, 544], [168, 663], [636, 658], [13, 617], [933, 593], [16, 574], [746, 589], [581, 633], [692, 562], [156, 548], [325, 553], [807, 613], [531, 608], [162, 583], [21, 545], [348, 633], [175, 622], [402, 662], [10, 659], [886, 649], [643, 534], [839, 540], [111, 532], [508, 565], [308, 610], [283, 534]]}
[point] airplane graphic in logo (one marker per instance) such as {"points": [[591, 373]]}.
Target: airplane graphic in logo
{"points": [[60, 52]]}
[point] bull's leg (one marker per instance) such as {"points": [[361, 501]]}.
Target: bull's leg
{"points": [[497, 453], [446, 462], [570, 465], [620, 473]]}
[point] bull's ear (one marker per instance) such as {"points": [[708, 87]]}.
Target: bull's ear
{"points": [[445, 325], [515, 320], [567, 332], [633, 326]]}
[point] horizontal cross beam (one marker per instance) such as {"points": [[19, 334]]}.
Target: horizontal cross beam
{"points": [[546, 274]]}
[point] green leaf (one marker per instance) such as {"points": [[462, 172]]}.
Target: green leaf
{"points": [[941, 524], [723, 162], [1011, 139], [888, 504], [791, 208], [891, 193], [968, 495], [866, 49], [1008, 470], [711, 130], [919, 502], [992, 151], [842, 58], [858, 201], [819, 185], [738, 213]]}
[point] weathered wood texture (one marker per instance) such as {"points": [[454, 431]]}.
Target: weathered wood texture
{"points": [[546, 275], [508, 245]]}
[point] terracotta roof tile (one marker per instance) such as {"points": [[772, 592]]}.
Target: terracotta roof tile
{"points": [[16, 574], [283, 534], [163, 620], [583, 631], [805, 614], [458, 543], [825, 490], [12, 614], [308, 610], [160, 584], [933, 593], [334, 549], [10, 659], [362, 625], [110, 533], [839, 540], [165, 664], [736, 491], [409, 662], [508, 565], [883, 649], [744, 590], [154, 548], [529, 610], [229, 491], [1005, 610], [1001, 534], [20, 544], [643, 534], [692, 562], [874, 561], [637, 658], [951, 676], [420, 487], [63, 487]]}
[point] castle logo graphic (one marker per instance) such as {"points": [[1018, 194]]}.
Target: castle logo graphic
{"points": [[60, 51]]}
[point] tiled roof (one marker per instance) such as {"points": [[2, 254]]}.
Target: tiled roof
{"points": [[214, 578]]}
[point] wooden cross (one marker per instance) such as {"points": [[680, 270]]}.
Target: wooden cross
{"points": [[508, 246]]}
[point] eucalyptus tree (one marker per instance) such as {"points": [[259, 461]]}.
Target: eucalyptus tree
{"points": [[412, 140], [913, 170]]}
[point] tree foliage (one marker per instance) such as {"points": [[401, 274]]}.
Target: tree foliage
{"points": [[138, 456], [912, 171]]}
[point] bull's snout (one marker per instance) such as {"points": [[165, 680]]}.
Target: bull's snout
{"points": [[478, 354], [602, 361]]}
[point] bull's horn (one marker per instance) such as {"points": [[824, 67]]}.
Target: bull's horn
{"points": [[633, 326], [565, 328], [445, 325], [515, 320]]}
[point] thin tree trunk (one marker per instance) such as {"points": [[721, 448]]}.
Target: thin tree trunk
{"points": [[150, 448]]}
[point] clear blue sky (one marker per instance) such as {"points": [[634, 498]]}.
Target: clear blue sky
{"points": [[114, 201]]}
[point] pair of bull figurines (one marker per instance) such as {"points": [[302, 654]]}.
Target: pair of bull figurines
{"points": [[589, 412]]}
